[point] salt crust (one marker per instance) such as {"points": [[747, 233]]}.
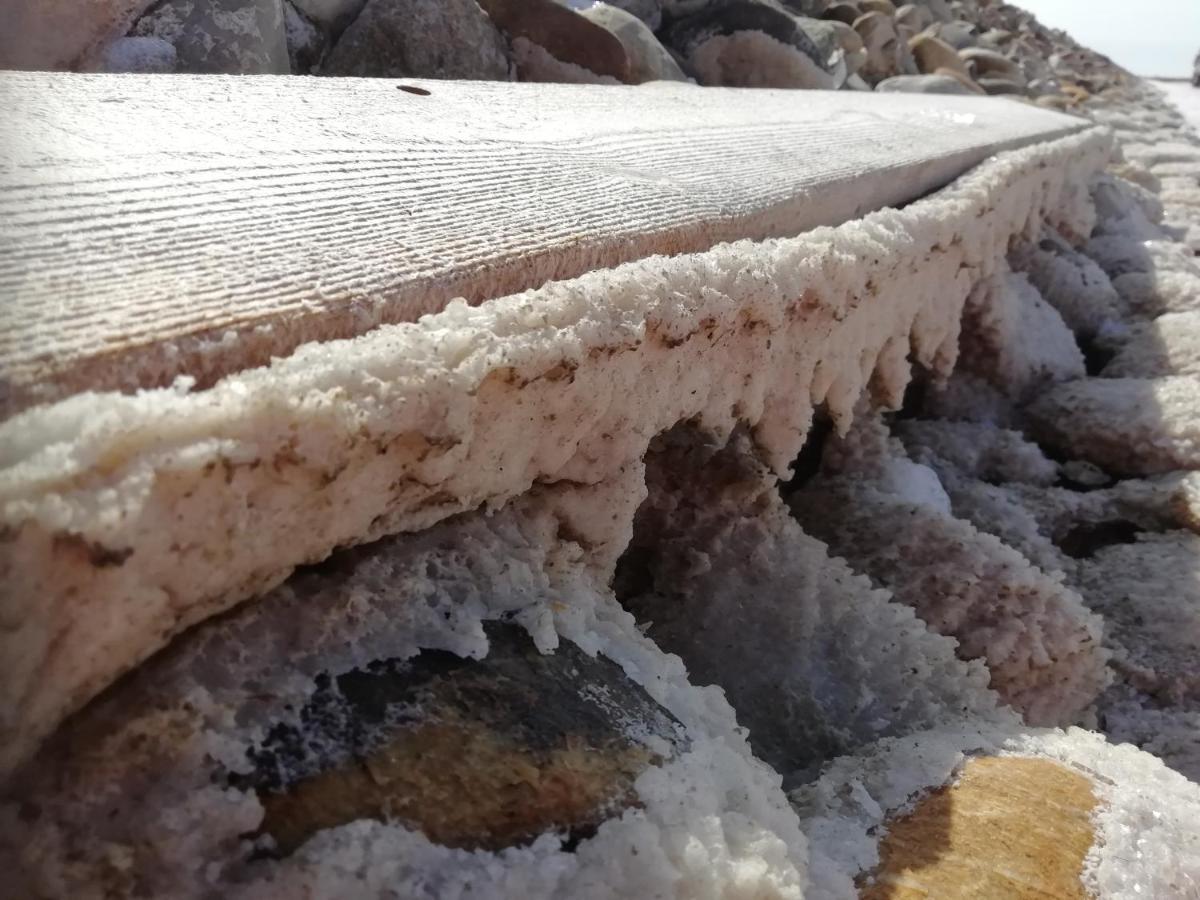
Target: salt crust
{"points": [[1070, 282], [1041, 644], [139, 765], [1147, 841], [115, 508], [1127, 426], [1169, 345]]}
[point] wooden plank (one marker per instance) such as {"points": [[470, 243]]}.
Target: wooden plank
{"points": [[159, 226]]}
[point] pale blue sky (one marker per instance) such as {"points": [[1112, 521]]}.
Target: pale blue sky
{"points": [[1149, 37]]}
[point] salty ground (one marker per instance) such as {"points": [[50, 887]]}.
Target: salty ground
{"points": [[1185, 97]]}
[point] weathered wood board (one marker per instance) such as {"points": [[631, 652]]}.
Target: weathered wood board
{"points": [[153, 226]]}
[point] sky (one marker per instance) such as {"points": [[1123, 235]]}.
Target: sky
{"points": [[1148, 37]]}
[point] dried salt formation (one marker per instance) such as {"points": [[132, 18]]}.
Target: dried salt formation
{"points": [[415, 738]]}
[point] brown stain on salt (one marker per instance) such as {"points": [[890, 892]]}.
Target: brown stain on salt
{"points": [[1011, 828]]}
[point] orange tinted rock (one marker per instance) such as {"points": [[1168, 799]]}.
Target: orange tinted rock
{"points": [[1011, 828]]}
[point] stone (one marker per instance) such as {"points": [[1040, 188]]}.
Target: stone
{"points": [[141, 55], [403, 38], [564, 34], [842, 12], [221, 37], [932, 54], [887, 54], [914, 16], [484, 754], [306, 42], [880, 6], [650, 12], [648, 60], [1001, 87], [923, 84], [331, 15], [990, 64], [965, 80], [1008, 827], [958, 35], [720, 18], [754, 59]]}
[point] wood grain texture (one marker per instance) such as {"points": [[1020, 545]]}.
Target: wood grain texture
{"points": [[156, 226]]}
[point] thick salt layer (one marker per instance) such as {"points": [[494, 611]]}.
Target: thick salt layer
{"points": [[115, 507]]}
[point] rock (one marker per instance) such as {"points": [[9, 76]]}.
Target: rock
{"points": [[564, 34], [880, 6], [923, 84], [648, 59], [399, 38], [914, 17], [958, 35], [485, 754], [142, 55], [62, 34], [1015, 822], [854, 55], [842, 12], [855, 83], [965, 80], [331, 15], [990, 64], [939, 9], [932, 54], [305, 41], [650, 12], [1001, 87], [887, 55], [223, 37], [754, 59], [754, 43], [534, 63]]}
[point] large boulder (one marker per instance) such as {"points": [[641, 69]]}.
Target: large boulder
{"points": [[222, 37]]}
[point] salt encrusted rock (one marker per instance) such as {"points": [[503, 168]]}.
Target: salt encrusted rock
{"points": [[1039, 641], [1149, 595], [1129, 426], [408, 721], [1016, 340], [1000, 86], [400, 38], [808, 667], [331, 15], [846, 13], [924, 84], [305, 41], [1171, 733], [1156, 292], [1168, 345], [987, 63], [142, 55], [755, 59], [914, 16], [932, 54], [648, 60], [564, 36], [63, 34], [751, 43], [1125, 208], [648, 11], [976, 450], [1140, 816], [887, 54], [1070, 282], [229, 37]]}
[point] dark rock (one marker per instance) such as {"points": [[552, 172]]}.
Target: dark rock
{"points": [[399, 38], [563, 33], [226, 37], [843, 12], [1001, 86], [142, 55], [306, 42], [331, 16], [887, 54], [478, 754], [648, 59], [727, 17]]}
